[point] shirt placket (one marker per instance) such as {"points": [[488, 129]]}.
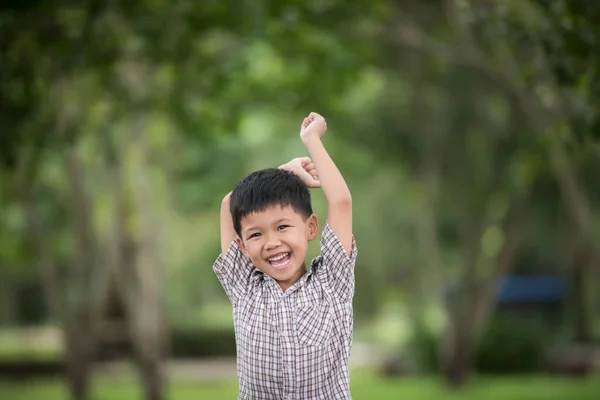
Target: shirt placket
{"points": [[288, 350]]}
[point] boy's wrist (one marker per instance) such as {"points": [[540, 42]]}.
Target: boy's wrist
{"points": [[285, 166], [289, 166], [311, 141]]}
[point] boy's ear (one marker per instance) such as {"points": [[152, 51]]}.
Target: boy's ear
{"points": [[241, 245], [313, 227]]}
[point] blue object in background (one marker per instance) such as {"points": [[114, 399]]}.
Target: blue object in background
{"points": [[531, 289]]}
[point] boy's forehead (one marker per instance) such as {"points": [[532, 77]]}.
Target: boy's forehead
{"points": [[268, 216]]}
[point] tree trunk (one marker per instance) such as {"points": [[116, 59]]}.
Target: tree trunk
{"points": [[137, 268], [45, 259], [475, 304], [79, 363], [74, 338], [459, 341], [148, 335], [149, 346], [7, 303], [77, 319], [583, 299], [152, 377], [149, 317], [458, 367], [580, 211], [458, 345], [78, 312], [88, 280]]}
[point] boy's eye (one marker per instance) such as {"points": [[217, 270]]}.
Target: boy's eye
{"points": [[254, 235], [280, 227]]}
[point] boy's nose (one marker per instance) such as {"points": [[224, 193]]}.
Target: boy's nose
{"points": [[273, 242]]}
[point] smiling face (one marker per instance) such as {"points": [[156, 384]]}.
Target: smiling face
{"points": [[276, 241]]}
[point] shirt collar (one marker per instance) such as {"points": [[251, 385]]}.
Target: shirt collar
{"points": [[258, 276]]}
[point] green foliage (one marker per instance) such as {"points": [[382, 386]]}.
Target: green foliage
{"points": [[424, 348], [513, 345], [509, 345], [201, 343]]}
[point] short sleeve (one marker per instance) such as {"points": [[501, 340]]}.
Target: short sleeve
{"points": [[233, 271], [335, 266]]}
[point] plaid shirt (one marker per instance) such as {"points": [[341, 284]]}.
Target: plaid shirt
{"points": [[293, 344]]}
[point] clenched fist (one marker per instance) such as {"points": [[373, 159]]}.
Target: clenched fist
{"points": [[313, 126], [304, 168]]}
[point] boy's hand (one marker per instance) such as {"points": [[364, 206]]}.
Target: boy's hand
{"points": [[313, 126], [304, 168]]}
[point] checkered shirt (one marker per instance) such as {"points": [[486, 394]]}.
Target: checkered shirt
{"points": [[293, 344]]}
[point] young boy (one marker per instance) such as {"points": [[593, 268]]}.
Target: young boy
{"points": [[293, 327]]}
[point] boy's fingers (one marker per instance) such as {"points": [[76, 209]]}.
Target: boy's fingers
{"points": [[314, 184], [315, 117], [309, 178], [304, 161]]}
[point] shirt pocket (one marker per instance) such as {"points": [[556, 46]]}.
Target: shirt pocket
{"points": [[314, 322]]}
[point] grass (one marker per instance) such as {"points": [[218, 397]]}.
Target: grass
{"points": [[364, 386]]}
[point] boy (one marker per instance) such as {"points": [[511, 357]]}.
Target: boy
{"points": [[293, 328]]}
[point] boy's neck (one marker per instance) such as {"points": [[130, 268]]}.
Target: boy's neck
{"points": [[285, 285]]}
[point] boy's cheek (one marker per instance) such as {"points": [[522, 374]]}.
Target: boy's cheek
{"points": [[250, 254], [246, 253]]}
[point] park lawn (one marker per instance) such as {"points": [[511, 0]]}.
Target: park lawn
{"points": [[364, 386], [34, 344]]}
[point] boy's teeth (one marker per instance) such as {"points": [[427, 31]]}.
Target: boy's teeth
{"points": [[279, 257], [280, 261]]}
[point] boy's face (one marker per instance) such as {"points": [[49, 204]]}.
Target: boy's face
{"points": [[276, 241]]}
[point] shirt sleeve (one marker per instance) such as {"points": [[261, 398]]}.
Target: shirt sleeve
{"points": [[335, 266], [233, 271]]}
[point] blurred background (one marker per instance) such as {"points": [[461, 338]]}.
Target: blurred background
{"points": [[468, 132]]}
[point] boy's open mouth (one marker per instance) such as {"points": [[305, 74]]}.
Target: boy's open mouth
{"points": [[280, 261]]}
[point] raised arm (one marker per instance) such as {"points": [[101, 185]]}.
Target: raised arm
{"points": [[227, 231], [337, 194]]}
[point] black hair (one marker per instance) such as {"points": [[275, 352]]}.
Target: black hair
{"points": [[266, 188]]}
